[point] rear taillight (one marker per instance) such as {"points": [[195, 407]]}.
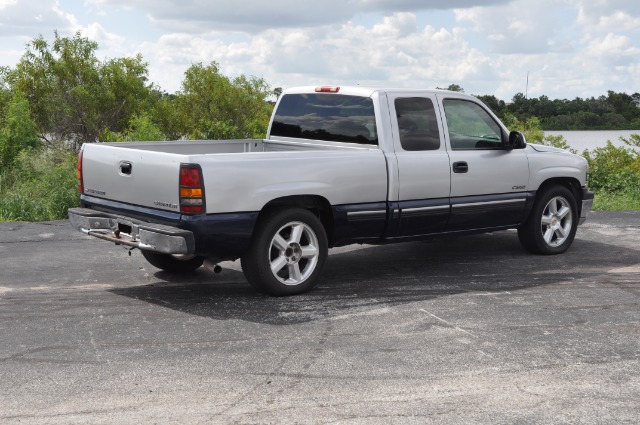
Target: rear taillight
{"points": [[191, 189], [79, 174]]}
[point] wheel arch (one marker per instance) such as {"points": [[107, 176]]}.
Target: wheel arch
{"points": [[316, 204], [570, 183]]}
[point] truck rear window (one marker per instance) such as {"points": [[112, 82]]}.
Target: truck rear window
{"points": [[325, 116]]}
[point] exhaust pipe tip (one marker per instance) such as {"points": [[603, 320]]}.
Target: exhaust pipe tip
{"points": [[212, 265]]}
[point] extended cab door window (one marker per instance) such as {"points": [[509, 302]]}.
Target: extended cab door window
{"points": [[417, 124], [423, 166]]}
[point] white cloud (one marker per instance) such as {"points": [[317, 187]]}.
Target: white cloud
{"points": [[519, 27], [569, 47], [398, 25], [111, 44], [6, 3], [398, 51], [601, 14], [394, 51], [618, 21], [202, 16], [617, 46], [95, 31], [32, 18]]}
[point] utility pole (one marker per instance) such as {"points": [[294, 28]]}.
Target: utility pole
{"points": [[526, 90]]}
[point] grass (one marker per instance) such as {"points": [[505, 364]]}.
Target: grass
{"points": [[617, 201]]}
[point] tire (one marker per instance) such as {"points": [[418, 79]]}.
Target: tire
{"points": [[173, 263], [552, 225], [287, 253]]}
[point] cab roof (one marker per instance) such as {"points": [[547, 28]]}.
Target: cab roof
{"points": [[363, 90]]}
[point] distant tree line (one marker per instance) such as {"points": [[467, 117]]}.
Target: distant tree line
{"points": [[615, 111]]}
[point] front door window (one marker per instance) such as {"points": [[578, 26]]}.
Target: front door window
{"points": [[470, 126]]}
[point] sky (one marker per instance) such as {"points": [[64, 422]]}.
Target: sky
{"points": [[567, 48]]}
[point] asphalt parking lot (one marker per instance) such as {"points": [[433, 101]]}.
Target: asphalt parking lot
{"points": [[466, 330]]}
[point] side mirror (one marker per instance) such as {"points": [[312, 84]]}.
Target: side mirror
{"points": [[516, 140]]}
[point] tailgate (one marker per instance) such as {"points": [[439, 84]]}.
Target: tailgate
{"points": [[134, 176]]}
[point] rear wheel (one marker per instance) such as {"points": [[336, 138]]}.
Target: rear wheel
{"points": [[287, 253], [173, 263], [552, 225]]}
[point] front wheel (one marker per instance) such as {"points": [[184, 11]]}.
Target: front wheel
{"points": [[173, 263], [287, 253], [552, 225]]}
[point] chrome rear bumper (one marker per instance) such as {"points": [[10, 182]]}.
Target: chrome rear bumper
{"points": [[127, 231]]}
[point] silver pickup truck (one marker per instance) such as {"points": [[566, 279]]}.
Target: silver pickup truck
{"points": [[339, 165]]}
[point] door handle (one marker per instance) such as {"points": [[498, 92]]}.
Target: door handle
{"points": [[460, 167]]}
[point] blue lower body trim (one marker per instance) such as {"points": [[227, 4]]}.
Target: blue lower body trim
{"points": [[359, 223], [422, 217], [486, 211], [221, 235], [228, 236]]}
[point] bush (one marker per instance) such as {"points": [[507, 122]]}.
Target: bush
{"points": [[141, 129], [18, 132], [40, 186], [613, 168], [614, 174]]}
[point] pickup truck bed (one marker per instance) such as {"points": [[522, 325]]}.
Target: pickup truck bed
{"points": [[140, 173]]}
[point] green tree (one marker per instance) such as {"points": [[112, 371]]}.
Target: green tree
{"points": [[452, 87], [213, 106], [18, 132], [141, 129], [624, 105], [125, 91], [519, 106], [5, 91], [496, 105], [74, 97], [167, 116]]}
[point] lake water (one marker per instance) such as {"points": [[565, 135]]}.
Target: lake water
{"points": [[581, 140]]}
